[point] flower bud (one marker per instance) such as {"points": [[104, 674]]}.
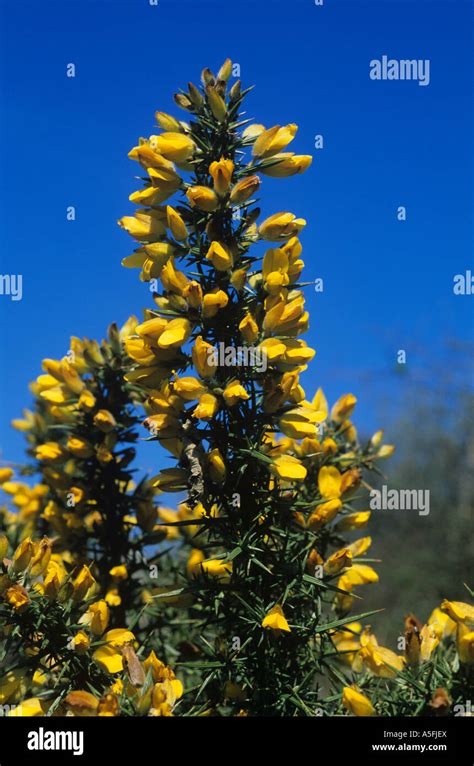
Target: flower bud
{"points": [[167, 122], [244, 189], [203, 198], [82, 583], [105, 421], [225, 71], [221, 173], [23, 555], [216, 103]]}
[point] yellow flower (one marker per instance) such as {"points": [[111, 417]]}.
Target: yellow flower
{"points": [[293, 250], [343, 408], [300, 422], [329, 446], [273, 140], [167, 122], [221, 173], [164, 183], [244, 189], [172, 279], [465, 643], [105, 421], [218, 569], [286, 317], [356, 702], [217, 469], [41, 556], [207, 407], [31, 707], [112, 597], [177, 332], [234, 392], [386, 450], [288, 468], [276, 620], [347, 643], [353, 521], [80, 643], [360, 546], [338, 561], [53, 579], [79, 447], [350, 481], [50, 452], [381, 661], [201, 353], [429, 642], [253, 131], [324, 513], [175, 147], [441, 623], [329, 482], [10, 684], [23, 555], [171, 479], [220, 256], [17, 597], [358, 574], [82, 583], [87, 400], [3, 546], [203, 198], [459, 611], [109, 656], [193, 567], [150, 258], [249, 328], [213, 301], [192, 293], [144, 226], [239, 278], [281, 227], [176, 224], [275, 270], [119, 572], [161, 672], [151, 329], [97, 617], [5, 475], [216, 103], [149, 158], [189, 388], [289, 165]]}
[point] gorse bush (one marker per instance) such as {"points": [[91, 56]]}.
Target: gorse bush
{"points": [[239, 601]]}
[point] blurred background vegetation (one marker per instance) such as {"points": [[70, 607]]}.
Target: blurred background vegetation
{"points": [[429, 415]]}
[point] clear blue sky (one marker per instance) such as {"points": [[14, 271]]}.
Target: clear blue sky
{"points": [[388, 284]]}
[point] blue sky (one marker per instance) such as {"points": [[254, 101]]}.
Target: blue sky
{"points": [[388, 285]]}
